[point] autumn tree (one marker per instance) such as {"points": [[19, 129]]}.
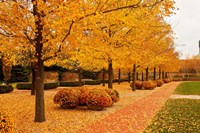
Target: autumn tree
{"points": [[7, 58], [51, 26], [123, 39]]}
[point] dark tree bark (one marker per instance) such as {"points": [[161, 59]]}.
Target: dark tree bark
{"points": [[33, 78], [163, 74], [129, 77], [147, 74], [60, 75], [39, 66], [154, 73], [137, 76], [159, 74], [134, 78], [142, 76], [40, 107], [119, 76], [110, 75], [80, 76], [166, 75], [103, 77]]}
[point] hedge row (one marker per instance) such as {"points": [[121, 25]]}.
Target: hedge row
{"points": [[28, 85], [5, 88], [52, 85], [71, 84], [93, 82], [116, 80]]}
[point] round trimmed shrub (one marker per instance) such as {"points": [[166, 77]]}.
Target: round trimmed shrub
{"points": [[149, 85], [159, 82], [6, 88], [6, 123], [83, 96], [138, 84], [167, 80], [85, 93], [98, 100], [113, 94], [67, 98]]}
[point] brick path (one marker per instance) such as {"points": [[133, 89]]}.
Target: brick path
{"points": [[135, 117]]}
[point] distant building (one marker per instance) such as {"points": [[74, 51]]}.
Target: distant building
{"points": [[198, 55]]}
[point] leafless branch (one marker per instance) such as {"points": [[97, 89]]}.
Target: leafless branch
{"points": [[68, 32]]}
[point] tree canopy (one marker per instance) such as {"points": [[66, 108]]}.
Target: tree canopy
{"points": [[56, 31]]}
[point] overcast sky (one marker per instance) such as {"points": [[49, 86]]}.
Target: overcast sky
{"points": [[186, 25]]}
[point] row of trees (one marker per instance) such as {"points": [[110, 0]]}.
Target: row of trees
{"points": [[88, 34], [190, 65]]}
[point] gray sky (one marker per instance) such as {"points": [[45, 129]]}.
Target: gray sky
{"points": [[186, 25]]}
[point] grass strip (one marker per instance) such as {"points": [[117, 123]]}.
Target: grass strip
{"points": [[177, 116], [188, 88]]}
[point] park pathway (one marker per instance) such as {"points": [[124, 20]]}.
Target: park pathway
{"points": [[135, 117]]}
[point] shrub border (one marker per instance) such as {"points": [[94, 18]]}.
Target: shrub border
{"points": [[5, 88], [28, 85]]}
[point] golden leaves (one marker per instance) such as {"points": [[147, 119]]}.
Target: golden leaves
{"points": [[89, 32]]}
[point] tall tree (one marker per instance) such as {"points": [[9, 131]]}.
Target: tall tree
{"points": [[51, 26]]}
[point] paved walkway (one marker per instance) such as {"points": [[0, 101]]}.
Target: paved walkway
{"points": [[135, 117], [174, 96]]}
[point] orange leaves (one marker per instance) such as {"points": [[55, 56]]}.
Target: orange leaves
{"points": [[6, 123], [90, 31]]}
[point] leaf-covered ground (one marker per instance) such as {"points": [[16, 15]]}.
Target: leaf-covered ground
{"points": [[177, 116], [20, 104]]}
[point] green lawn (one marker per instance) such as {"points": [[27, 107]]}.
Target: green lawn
{"points": [[177, 116], [188, 88]]}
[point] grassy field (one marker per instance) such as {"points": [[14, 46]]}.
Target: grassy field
{"points": [[188, 88], [179, 115]]}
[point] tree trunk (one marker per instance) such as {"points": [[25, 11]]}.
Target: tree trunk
{"points": [[137, 76], [60, 75], [33, 78], [119, 76], [80, 76], [129, 77], [39, 66], [159, 74], [147, 74], [103, 77], [166, 75], [134, 78], [142, 76], [154, 73], [110, 75], [163, 74], [39, 80]]}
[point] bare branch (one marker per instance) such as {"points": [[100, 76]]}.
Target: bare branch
{"points": [[69, 30], [55, 54], [29, 39]]}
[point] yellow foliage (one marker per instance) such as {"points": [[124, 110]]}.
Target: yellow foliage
{"points": [[89, 32]]}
